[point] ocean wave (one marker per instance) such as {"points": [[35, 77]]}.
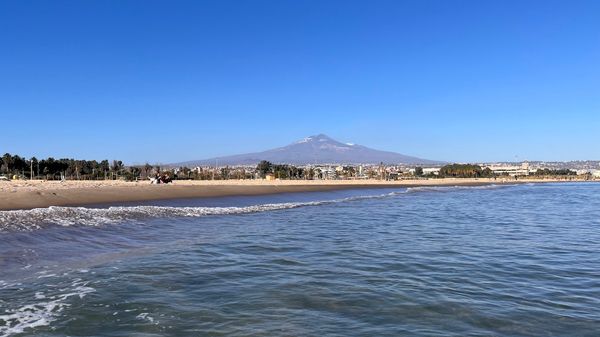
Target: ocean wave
{"points": [[38, 218], [44, 311], [454, 188]]}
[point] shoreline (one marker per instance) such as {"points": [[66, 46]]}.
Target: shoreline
{"points": [[25, 194]]}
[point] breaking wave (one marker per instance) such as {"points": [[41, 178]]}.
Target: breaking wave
{"points": [[454, 188], [38, 218]]}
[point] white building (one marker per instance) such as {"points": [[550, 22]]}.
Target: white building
{"points": [[431, 170], [511, 170]]}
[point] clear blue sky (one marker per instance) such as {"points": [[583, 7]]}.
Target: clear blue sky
{"points": [[166, 81]]}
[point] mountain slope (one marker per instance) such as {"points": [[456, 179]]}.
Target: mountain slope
{"points": [[319, 149]]}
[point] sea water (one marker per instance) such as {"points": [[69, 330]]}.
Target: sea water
{"points": [[519, 260]]}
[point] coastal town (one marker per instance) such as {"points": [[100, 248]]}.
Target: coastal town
{"points": [[265, 170], [14, 167]]}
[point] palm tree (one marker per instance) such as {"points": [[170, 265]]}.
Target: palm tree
{"points": [[147, 169], [6, 162]]}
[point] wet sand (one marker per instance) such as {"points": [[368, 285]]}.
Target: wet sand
{"points": [[35, 194]]}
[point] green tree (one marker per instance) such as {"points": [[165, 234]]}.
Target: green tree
{"points": [[147, 169], [263, 168], [6, 162], [461, 171]]}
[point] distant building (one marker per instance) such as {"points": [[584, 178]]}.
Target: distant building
{"points": [[511, 170], [431, 170], [427, 170]]}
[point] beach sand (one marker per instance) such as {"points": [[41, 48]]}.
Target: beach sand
{"points": [[27, 194]]}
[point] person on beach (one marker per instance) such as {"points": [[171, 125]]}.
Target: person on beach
{"points": [[165, 179], [161, 179]]}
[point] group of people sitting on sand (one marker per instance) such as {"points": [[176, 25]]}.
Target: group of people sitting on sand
{"points": [[161, 179]]}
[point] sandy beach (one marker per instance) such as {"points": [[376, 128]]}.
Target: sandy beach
{"points": [[26, 194]]}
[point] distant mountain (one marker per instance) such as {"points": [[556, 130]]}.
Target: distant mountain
{"points": [[319, 149]]}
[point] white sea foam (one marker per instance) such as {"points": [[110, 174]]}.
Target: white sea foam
{"points": [[453, 188], [46, 275], [28, 220], [43, 312], [146, 316]]}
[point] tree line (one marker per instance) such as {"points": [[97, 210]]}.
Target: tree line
{"points": [[465, 171], [67, 168], [284, 171], [551, 172]]}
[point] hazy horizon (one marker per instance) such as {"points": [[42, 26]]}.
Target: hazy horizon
{"points": [[164, 83]]}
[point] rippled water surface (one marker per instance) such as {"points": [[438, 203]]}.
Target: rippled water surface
{"points": [[484, 261]]}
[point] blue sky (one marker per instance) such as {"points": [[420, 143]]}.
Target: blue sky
{"points": [[167, 81]]}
